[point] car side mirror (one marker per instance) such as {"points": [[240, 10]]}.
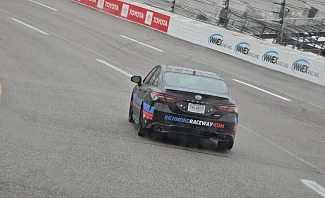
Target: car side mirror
{"points": [[136, 79]]}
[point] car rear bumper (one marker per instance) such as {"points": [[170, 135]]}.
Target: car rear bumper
{"points": [[219, 136], [189, 125]]}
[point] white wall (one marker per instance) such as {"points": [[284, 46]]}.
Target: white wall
{"points": [[299, 64]]}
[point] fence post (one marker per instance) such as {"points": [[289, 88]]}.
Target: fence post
{"points": [[173, 6], [226, 3], [282, 20], [320, 50], [262, 31]]}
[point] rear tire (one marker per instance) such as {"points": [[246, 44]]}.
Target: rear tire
{"points": [[141, 131], [130, 119]]}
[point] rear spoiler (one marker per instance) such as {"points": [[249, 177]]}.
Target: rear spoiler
{"points": [[198, 92]]}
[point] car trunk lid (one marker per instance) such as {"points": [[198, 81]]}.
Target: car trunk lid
{"points": [[196, 102]]}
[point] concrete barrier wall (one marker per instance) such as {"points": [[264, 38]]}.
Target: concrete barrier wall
{"points": [[303, 65], [299, 64]]}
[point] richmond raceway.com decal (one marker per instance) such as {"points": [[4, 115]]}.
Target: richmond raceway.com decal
{"points": [[195, 122]]}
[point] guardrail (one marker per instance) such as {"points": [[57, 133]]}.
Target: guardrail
{"points": [[303, 65]]}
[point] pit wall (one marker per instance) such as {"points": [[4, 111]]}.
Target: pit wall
{"points": [[306, 66]]}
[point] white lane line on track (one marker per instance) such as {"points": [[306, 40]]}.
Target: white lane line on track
{"points": [[284, 150], [252, 86], [115, 68], [0, 90], [314, 186], [32, 27], [43, 5], [141, 43]]}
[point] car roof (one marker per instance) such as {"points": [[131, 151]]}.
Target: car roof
{"points": [[197, 72]]}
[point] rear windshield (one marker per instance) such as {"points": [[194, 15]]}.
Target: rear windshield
{"points": [[195, 82]]}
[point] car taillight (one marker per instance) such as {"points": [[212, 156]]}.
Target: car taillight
{"points": [[232, 108], [155, 96]]}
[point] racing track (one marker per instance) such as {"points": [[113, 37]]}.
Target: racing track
{"points": [[63, 114]]}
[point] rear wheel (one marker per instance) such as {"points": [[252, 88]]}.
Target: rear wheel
{"points": [[226, 145], [141, 131], [131, 114]]}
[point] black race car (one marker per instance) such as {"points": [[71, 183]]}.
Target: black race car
{"points": [[185, 101]]}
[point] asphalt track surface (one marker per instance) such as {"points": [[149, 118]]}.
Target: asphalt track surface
{"points": [[63, 114]]}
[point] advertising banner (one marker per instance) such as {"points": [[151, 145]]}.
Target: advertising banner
{"points": [[256, 51], [131, 12], [90, 3]]}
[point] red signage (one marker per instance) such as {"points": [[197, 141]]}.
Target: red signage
{"points": [[91, 3], [131, 12], [160, 21], [112, 7], [145, 17]]}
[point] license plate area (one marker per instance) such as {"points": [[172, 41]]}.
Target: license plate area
{"points": [[196, 108]]}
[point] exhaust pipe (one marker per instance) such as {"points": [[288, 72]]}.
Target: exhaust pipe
{"points": [[220, 138], [159, 128]]}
